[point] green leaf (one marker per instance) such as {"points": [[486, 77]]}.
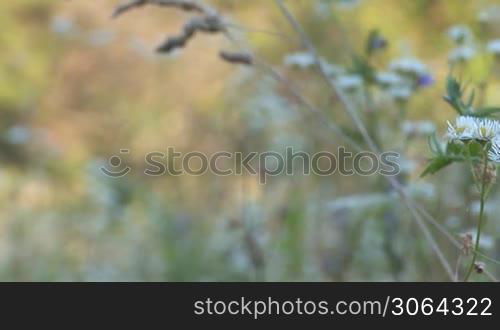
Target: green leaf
{"points": [[434, 145], [455, 93], [475, 150], [454, 149], [436, 165], [455, 152], [453, 88], [486, 111]]}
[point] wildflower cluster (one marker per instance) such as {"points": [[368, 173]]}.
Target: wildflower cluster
{"points": [[482, 130], [468, 128], [465, 48], [474, 135], [408, 74], [399, 80], [468, 47]]}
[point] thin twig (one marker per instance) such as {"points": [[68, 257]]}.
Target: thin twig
{"points": [[236, 57], [245, 29]]}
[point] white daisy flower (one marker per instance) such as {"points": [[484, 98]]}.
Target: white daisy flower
{"points": [[486, 129], [494, 47], [462, 54], [459, 33], [465, 128], [494, 153]]}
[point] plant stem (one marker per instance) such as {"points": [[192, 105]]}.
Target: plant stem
{"points": [[471, 165], [480, 221]]}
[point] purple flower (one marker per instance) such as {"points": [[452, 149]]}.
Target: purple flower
{"points": [[425, 80], [378, 43]]}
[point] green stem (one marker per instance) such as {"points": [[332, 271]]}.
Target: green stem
{"points": [[471, 166], [371, 114], [480, 222]]}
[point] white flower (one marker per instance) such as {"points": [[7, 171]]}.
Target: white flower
{"points": [[489, 15], [387, 79], [306, 60], [462, 54], [63, 26], [465, 128], [301, 60], [494, 47], [408, 66], [494, 153], [459, 33], [350, 83], [357, 202], [468, 128], [18, 135], [486, 129], [418, 127], [331, 70], [401, 93]]}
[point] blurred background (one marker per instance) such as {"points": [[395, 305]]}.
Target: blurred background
{"points": [[76, 87]]}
